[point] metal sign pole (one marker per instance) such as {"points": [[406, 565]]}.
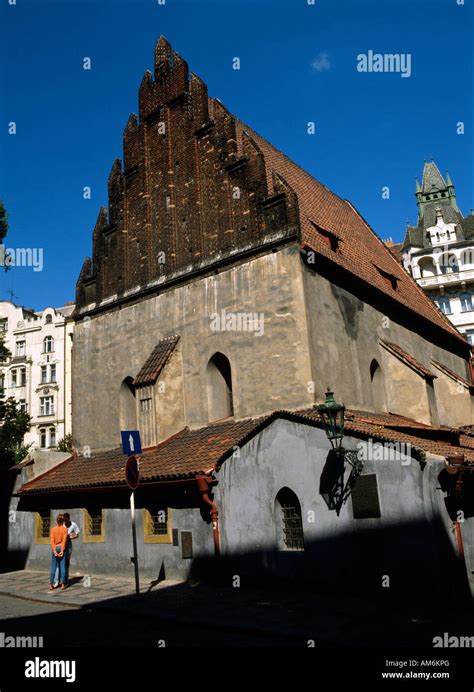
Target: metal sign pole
{"points": [[134, 534]]}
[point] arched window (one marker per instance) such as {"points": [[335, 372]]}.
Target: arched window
{"points": [[379, 398], [127, 405], [43, 438], [448, 263], [467, 258], [52, 437], [444, 304], [288, 523], [48, 319], [427, 267], [219, 387], [466, 302], [48, 344]]}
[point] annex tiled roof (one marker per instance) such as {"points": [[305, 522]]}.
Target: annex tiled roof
{"points": [[193, 452], [408, 359], [184, 455], [156, 361], [360, 251]]}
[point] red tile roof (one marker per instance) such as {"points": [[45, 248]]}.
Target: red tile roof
{"points": [[408, 359], [359, 250], [156, 361], [193, 452]]}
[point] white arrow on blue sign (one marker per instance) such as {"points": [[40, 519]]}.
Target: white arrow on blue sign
{"points": [[131, 443]]}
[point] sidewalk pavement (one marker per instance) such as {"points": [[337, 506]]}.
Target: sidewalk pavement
{"points": [[328, 619]]}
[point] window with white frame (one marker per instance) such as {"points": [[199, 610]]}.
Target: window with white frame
{"points": [[46, 406], [444, 305], [20, 348], [52, 437], [44, 374], [466, 302], [52, 373], [22, 377], [23, 406], [3, 325], [43, 438], [48, 344], [470, 336], [14, 378]]}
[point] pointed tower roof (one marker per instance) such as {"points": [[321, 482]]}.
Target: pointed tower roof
{"points": [[432, 178]]}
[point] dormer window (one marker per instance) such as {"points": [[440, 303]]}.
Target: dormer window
{"points": [[328, 237], [390, 279]]}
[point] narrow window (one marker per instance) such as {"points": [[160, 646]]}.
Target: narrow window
{"points": [[42, 526], [444, 305], [46, 406], [219, 387], [288, 522], [14, 380], [20, 348], [52, 437], [23, 406], [379, 398], [43, 438], [48, 344], [23, 377], [93, 525], [145, 404], [127, 405], [52, 373], [466, 302], [44, 374]]}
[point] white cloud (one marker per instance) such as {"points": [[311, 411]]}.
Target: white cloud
{"points": [[321, 63]]}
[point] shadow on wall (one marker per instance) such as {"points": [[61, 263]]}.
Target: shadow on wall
{"points": [[413, 560], [13, 559], [339, 599]]}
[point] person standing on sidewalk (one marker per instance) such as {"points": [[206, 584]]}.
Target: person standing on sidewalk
{"points": [[73, 533], [58, 538]]}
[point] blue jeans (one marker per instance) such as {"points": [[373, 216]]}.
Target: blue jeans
{"points": [[58, 563], [67, 557]]}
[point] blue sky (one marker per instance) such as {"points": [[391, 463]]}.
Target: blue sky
{"points": [[298, 65]]}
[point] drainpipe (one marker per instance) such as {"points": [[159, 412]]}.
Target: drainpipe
{"points": [[204, 484]]}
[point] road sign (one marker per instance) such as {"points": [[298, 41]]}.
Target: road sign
{"points": [[131, 443], [132, 474]]}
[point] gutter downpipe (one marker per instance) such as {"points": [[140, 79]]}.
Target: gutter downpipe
{"points": [[204, 484]]}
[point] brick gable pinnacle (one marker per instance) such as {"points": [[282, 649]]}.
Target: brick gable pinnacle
{"points": [[198, 186]]}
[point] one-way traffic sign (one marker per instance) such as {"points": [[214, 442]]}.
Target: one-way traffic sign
{"points": [[131, 443]]}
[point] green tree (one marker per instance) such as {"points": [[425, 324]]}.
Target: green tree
{"points": [[3, 221], [65, 445], [14, 423]]}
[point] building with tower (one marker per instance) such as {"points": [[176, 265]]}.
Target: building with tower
{"points": [[439, 251], [226, 289]]}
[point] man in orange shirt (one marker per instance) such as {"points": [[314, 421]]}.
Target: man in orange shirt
{"points": [[58, 538]]}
